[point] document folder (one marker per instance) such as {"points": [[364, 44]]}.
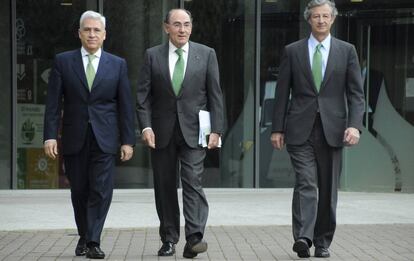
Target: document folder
{"points": [[205, 128]]}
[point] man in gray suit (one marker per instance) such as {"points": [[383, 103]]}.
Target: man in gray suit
{"points": [[177, 80], [322, 76]]}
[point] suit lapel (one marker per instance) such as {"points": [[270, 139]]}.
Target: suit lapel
{"points": [[303, 60], [79, 69], [192, 63], [333, 51], [102, 69], [163, 64]]}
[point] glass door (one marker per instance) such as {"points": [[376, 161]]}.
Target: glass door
{"points": [[281, 24], [128, 35], [385, 43], [229, 28]]}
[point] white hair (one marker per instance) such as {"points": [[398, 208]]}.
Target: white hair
{"points": [[92, 15]]}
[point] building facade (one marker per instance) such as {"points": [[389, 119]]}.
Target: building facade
{"points": [[248, 36]]}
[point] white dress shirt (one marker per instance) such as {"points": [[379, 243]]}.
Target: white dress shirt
{"points": [[173, 57], [95, 62], [326, 46]]}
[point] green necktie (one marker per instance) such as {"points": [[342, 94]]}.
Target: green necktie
{"points": [[178, 74], [317, 67], [90, 71]]}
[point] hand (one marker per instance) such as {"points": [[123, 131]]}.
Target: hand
{"points": [[51, 149], [351, 136], [148, 137], [278, 140], [213, 141], [126, 152]]}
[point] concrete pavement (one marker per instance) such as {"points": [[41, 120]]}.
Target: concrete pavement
{"points": [[244, 224]]}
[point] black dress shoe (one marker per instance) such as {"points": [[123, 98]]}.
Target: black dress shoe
{"points": [[322, 252], [301, 247], [95, 252], [167, 249], [81, 248], [194, 247]]}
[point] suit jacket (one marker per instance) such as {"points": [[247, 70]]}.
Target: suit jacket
{"points": [[107, 107], [159, 108], [340, 100]]}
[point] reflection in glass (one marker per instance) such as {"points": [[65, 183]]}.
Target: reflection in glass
{"points": [[132, 27], [383, 38], [280, 25], [229, 28]]}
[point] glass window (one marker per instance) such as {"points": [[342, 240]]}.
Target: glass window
{"points": [[132, 27], [229, 28], [384, 39], [281, 24], [5, 97], [381, 30], [43, 29]]}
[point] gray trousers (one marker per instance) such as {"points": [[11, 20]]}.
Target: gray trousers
{"points": [[317, 169], [169, 163]]}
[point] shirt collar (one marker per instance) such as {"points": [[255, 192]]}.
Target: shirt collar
{"points": [[97, 53], [326, 43], [172, 47]]}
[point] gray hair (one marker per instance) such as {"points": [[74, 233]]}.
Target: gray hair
{"points": [[315, 3], [92, 15]]}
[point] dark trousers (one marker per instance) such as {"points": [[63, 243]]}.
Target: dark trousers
{"points": [[317, 169], [90, 173], [178, 158]]}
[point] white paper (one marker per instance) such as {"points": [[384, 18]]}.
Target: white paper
{"points": [[205, 128]]}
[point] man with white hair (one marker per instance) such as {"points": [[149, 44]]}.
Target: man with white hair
{"points": [[92, 88]]}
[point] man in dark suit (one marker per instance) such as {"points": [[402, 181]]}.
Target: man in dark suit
{"points": [[322, 76], [93, 88], [177, 80]]}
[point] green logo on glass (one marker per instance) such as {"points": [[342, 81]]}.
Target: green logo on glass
{"points": [[28, 131]]}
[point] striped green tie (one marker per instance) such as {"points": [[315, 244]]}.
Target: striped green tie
{"points": [[317, 67], [90, 71], [178, 74]]}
